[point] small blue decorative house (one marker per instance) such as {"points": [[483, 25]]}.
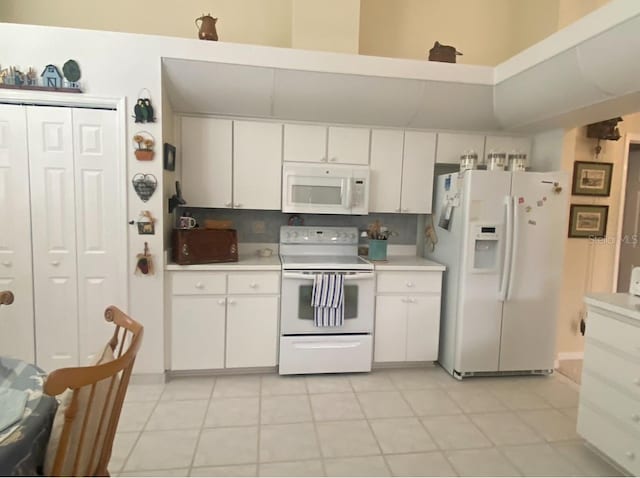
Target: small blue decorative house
{"points": [[51, 77]]}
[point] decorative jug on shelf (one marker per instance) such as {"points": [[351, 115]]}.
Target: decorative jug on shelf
{"points": [[207, 27]]}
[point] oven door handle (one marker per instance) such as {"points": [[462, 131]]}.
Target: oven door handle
{"points": [[297, 275]]}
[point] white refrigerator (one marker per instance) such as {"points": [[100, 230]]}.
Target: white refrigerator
{"points": [[501, 236]]}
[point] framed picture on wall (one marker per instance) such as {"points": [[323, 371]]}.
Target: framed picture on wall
{"points": [[169, 157], [587, 221], [591, 179]]}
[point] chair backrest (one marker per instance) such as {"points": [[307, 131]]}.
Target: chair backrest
{"points": [[6, 297], [85, 425]]}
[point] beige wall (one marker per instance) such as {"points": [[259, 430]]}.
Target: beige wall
{"points": [[326, 25], [486, 31], [241, 21], [589, 265]]}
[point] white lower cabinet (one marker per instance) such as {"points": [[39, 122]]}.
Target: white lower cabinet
{"points": [[252, 331], [407, 321], [609, 411], [224, 320], [197, 332]]}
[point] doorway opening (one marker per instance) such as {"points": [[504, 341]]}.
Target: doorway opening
{"points": [[628, 240]]}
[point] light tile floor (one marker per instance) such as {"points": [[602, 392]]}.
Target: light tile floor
{"points": [[405, 422]]}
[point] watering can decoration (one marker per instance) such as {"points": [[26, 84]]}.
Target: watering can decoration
{"points": [[207, 27]]}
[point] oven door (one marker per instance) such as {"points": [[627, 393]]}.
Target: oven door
{"points": [[296, 314]]}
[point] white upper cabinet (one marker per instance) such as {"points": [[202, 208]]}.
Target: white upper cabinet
{"points": [[402, 165], [452, 145], [508, 144], [386, 170], [319, 144], [348, 145], [257, 165], [305, 143], [417, 172], [206, 161]]}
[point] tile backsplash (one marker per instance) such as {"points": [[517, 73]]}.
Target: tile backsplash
{"points": [[258, 226]]}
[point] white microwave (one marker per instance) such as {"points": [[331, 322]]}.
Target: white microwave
{"points": [[323, 189]]}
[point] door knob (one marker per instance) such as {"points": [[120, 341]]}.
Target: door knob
{"points": [[221, 301], [55, 263], [253, 285], [6, 263], [410, 284], [199, 285], [232, 301]]}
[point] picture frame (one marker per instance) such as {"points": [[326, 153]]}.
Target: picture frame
{"points": [[592, 178], [169, 157], [587, 221]]}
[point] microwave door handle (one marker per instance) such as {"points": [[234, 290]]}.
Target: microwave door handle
{"points": [[349, 193]]}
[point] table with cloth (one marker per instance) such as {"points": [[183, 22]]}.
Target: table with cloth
{"points": [[26, 416]]}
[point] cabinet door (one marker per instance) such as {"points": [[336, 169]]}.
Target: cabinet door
{"points": [[53, 221], [197, 332], [16, 321], [391, 329], [417, 172], [252, 331], [507, 144], [99, 236], [348, 145], [257, 165], [206, 161], [305, 143], [452, 145], [423, 328], [386, 170]]}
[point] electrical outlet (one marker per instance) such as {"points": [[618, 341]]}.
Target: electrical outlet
{"points": [[258, 227]]}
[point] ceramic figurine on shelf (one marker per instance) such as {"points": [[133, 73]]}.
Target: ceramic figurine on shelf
{"points": [[51, 77]]}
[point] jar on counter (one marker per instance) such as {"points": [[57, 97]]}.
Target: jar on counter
{"points": [[496, 161], [517, 162], [468, 160]]}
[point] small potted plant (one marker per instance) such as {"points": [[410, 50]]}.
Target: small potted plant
{"points": [[144, 147], [378, 235]]}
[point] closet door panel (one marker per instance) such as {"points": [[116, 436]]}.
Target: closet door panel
{"points": [[50, 140], [16, 321], [99, 236]]}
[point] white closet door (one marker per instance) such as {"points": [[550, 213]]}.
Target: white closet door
{"points": [[54, 236], [99, 235], [16, 320]]}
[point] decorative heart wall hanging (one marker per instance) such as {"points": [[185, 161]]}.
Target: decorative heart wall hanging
{"points": [[144, 185]]}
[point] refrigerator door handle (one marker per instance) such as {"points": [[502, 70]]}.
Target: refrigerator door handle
{"points": [[506, 263], [514, 248]]}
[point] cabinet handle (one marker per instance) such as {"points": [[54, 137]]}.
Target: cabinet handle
{"points": [[237, 205], [636, 381], [221, 301], [227, 204], [6, 263], [412, 300], [55, 263], [635, 417], [410, 284], [323, 159], [406, 209], [231, 301], [631, 455], [199, 285], [253, 285], [398, 210], [334, 159]]}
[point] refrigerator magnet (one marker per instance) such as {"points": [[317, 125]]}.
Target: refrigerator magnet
{"points": [[540, 203], [532, 222], [527, 209], [520, 200]]}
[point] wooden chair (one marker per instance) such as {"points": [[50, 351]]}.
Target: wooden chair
{"points": [[6, 297], [86, 422]]}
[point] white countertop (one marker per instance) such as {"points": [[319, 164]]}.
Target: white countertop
{"points": [[407, 263], [623, 303], [246, 262]]}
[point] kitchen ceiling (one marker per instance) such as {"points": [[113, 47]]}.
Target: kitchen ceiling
{"points": [[581, 74]]}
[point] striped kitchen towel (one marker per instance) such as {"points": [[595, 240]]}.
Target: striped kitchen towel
{"points": [[327, 300]]}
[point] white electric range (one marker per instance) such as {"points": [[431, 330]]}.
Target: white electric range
{"points": [[306, 251]]}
